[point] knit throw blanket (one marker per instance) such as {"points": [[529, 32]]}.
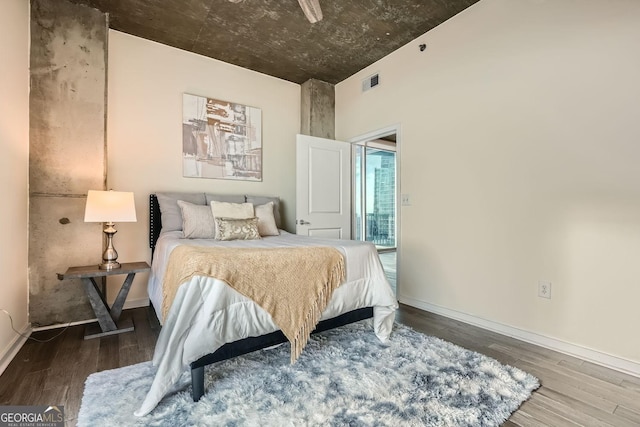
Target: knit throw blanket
{"points": [[293, 285]]}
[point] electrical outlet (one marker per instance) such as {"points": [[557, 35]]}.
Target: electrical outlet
{"points": [[405, 200], [544, 290]]}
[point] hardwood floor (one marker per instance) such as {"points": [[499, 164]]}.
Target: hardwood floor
{"points": [[54, 373], [573, 392]]}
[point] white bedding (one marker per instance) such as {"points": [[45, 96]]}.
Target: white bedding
{"points": [[207, 313]]}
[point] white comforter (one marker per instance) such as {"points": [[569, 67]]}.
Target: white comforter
{"points": [[207, 313]]}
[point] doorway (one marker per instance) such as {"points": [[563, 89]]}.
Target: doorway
{"points": [[375, 197]]}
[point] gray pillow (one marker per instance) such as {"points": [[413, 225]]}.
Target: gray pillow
{"points": [[229, 198], [261, 200], [197, 221], [171, 215]]}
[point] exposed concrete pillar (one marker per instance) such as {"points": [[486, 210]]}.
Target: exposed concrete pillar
{"points": [[318, 109], [66, 153]]}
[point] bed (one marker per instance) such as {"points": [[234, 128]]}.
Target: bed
{"points": [[209, 321]]}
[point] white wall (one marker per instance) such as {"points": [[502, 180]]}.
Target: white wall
{"points": [[520, 147], [144, 131], [14, 170]]}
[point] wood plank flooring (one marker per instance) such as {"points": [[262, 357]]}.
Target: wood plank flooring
{"points": [[573, 392], [54, 373]]}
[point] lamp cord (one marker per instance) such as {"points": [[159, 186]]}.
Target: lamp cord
{"points": [[30, 337]]}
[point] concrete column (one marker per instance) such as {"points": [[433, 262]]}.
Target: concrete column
{"points": [[318, 109], [66, 153]]}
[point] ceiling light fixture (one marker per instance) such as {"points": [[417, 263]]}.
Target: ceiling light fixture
{"points": [[311, 9]]}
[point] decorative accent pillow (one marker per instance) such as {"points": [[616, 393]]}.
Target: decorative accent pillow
{"points": [[237, 229], [231, 210], [197, 221], [170, 211], [266, 221]]}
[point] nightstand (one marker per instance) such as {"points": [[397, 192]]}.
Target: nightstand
{"points": [[107, 317]]}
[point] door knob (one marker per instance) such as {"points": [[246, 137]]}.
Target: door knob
{"points": [[303, 222]]}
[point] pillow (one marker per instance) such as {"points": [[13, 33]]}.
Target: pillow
{"points": [[266, 221], [237, 229], [197, 221], [231, 198], [232, 210], [261, 200], [171, 215]]}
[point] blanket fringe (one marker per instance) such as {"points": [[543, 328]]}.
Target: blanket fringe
{"points": [[244, 269], [313, 317]]}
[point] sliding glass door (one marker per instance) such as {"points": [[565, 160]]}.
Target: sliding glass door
{"points": [[375, 193]]}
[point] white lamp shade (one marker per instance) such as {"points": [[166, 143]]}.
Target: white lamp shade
{"points": [[110, 206]]}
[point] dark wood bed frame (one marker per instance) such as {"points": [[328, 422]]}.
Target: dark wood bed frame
{"points": [[246, 345]]}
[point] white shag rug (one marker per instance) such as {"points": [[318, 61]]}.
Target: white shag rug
{"points": [[345, 377]]}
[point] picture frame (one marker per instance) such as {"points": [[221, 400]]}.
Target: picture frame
{"points": [[221, 139]]}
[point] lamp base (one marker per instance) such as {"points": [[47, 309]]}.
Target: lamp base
{"points": [[110, 255], [109, 265]]}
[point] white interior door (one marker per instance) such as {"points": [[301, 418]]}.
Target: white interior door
{"points": [[323, 187]]}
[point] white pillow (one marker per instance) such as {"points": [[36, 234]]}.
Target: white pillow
{"points": [[266, 220], [230, 210], [197, 221]]}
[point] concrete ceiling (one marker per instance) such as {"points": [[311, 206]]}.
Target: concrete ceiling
{"points": [[275, 38]]}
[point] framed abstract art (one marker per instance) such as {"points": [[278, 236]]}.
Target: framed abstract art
{"points": [[221, 139]]}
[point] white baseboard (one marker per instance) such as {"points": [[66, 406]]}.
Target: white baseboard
{"points": [[13, 348], [141, 302], [7, 355], [63, 325], [585, 353], [136, 303]]}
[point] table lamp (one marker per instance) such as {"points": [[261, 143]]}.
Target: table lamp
{"points": [[110, 207]]}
